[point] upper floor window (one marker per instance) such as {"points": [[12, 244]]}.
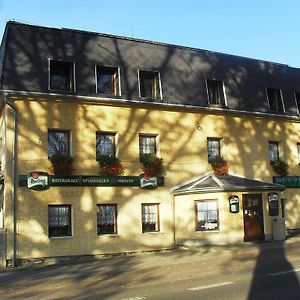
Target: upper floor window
{"points": [[298, 150], [150, 217], [61, 76], [216, 92], [207, 215], [105, 144], [59, 220], [275, 99], [273, 151], [58, 142], [106, 219], [147, 144], [108, 81], [297, 98], [150, 85], [213, 148]]}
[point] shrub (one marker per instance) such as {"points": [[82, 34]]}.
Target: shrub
{"points": [[280, 167], [152, 165], [219, 166], [61, 164]]}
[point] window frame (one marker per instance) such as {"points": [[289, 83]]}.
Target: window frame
{"points": [[297, 100], [70, 224], [156, 76], [197, 227], [298, 152], [72, 77], [213, 139], [277, 156], [68, 132], [268, 89], [117, 88], [216, 81], [108, 133], [152, 136], [157, 224], [115, 225]]}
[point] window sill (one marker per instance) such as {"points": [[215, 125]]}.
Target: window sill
{"points": [[60, 237], [108, 235], [152, 232]]}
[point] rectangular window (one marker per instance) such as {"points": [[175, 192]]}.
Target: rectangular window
{"points": [[297, 98], [149, 84], [207, 216], [61, 76], [105, 144], [147, 144], [216, 94], [108, 81], [275, 100], [213, 148], [298, 149], [150, 217], [106, 219], [59, 220], [273, 151], [58, 142]]}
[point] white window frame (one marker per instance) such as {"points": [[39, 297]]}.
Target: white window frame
{"points": [[157, 141], [295, 98], [159, 83], [281, 97], [116, 140], [223, 88], [119, 78]]}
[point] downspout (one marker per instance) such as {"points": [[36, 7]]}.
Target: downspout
{"points": [[14, 175]]}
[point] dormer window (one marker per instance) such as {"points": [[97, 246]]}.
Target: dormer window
{"points": [[297, 98], [216, 92], [61, 76], [108, 81], [275, 99], [149, 85]]}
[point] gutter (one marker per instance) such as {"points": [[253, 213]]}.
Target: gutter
{"points": [[9, 103]]}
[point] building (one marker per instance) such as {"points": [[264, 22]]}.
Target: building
{"points": [[87, 95]]}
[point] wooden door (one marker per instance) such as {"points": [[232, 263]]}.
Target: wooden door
{"points": [[253, 217]]}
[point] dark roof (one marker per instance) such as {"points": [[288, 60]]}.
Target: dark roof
{"points": [[209, 183], [26, 50]]}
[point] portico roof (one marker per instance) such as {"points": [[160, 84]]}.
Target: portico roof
{"points": [[210, 183]]}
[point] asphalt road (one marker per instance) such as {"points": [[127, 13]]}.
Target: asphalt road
{"points": [[258, 271]]}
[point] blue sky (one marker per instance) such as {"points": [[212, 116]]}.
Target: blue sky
{"points": [[263, 29]]}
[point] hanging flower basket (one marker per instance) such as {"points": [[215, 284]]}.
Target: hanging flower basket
{"points": [[62, 164], [110, 166], [280, 167], [153, 166], [219, 166]]}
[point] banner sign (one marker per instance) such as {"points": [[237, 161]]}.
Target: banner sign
{"points": [[43, 181], [288, 181]]}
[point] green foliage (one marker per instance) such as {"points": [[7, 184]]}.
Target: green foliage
{"points": [[280, 167], [62, 164], [110, 166], [219, 166], [152, 165]]}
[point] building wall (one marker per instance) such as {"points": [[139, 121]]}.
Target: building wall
{"points": [[183, 146], [231, 225]]}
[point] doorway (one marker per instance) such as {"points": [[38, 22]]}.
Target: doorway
{"points": [[253, 217]]}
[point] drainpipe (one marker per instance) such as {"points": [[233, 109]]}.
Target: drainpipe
{"points": [[14, 175]]}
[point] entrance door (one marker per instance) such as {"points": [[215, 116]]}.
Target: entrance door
{"points": [[253, 217]]}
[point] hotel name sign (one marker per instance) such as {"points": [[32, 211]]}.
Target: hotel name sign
{"points": [[288, 181], [43, 181]]}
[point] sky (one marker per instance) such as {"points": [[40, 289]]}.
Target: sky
{"points": [[261, 29]]}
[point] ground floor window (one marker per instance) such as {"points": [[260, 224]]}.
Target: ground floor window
{"points": [[106, 219], [207, 215], [59, 220], [150, 217]]}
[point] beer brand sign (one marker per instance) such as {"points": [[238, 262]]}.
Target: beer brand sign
{"points": [[43, 181]]}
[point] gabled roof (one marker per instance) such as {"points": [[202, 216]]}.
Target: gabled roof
{"points": [[183, 70], [210, 183]]}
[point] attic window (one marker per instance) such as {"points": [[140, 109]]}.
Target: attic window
{"points": [[150, 85], [108, 81], [216, 92], [297, 97], [61, 76], [275, 100]]}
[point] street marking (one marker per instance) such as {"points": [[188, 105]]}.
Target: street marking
{"points": [[209, 286], [284, 272]]}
